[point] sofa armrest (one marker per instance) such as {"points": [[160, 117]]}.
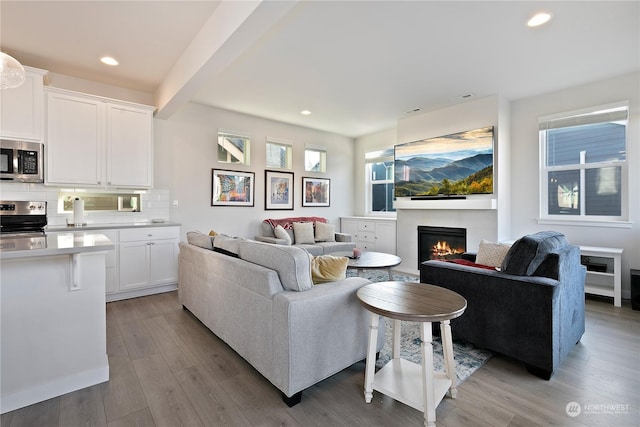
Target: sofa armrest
{"points": [[273, 240], [343, 237], [469, 256], [319, 332]]}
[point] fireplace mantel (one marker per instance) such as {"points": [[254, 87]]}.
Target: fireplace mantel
{"points": [[479, 204]]}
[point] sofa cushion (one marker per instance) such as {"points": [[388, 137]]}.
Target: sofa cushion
{"points": [[529, 252], [200, 239], [325, 232], [491, 253], [292, 264], [328, 268], [303, 233], [227, 245], [281, 233]]}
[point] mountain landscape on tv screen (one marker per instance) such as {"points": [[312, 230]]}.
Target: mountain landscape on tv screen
{"points": [[452, 172]]}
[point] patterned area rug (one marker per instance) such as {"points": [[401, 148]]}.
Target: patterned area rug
{"points": [[468, 358]]}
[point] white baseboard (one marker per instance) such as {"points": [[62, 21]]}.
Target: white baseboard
{"points": [[42, 392], [117, 296]]}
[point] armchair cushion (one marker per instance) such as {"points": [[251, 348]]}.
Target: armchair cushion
{"points": [[529, 252]]}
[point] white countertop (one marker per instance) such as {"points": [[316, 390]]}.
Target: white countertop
{"points": [[56, 244], [109, 226]]}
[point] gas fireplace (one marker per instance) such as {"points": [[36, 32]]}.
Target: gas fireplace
{"points": [[441, 243]]}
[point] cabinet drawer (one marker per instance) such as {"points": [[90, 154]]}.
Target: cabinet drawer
{"points": [[132, 235], [366, 236], [367, 226]]}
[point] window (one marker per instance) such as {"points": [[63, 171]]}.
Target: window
{"points": [[279, 154], [233, 148], [379, 181], [584, 164], [315, 159]]}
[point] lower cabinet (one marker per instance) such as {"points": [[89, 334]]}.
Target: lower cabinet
{"points": [[143, 262], [371, 234], [147, 257]]}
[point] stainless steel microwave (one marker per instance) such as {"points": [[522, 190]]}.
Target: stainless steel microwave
{"points": [[21, 161]]}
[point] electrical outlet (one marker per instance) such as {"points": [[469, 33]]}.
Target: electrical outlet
{"points": [[175, 204]]}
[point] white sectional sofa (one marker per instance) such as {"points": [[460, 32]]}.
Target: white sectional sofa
{"points": [[260, 300]]}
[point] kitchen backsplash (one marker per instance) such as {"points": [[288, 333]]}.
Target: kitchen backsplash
{"points": [[154, 204]]}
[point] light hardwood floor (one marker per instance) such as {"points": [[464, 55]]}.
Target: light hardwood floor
{"points": [[167, 369]]}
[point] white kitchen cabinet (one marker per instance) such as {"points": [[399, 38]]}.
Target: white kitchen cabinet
{"points": [[111, 283], [75, 142], [148, 257], [129, 146], [371, 234], [22, 108], [97, 142]]}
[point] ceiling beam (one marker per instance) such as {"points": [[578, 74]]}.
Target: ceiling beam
{"points": [[231, 30]]}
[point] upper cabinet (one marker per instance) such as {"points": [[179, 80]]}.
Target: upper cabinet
{"points": [[98, 142], [21, 108]]}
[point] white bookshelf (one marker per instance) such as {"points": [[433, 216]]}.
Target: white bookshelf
{"points": [[608, 282]]}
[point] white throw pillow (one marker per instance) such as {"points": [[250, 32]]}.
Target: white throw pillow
{"points": [[303, 233], [325, 232], [491, 253], [281, 233]]}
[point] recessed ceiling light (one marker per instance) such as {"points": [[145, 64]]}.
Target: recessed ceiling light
{"points": [[109, 60], [539, 19], [305, 112]]}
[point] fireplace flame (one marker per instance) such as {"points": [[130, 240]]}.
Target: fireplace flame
{"points": [[442, 248]]}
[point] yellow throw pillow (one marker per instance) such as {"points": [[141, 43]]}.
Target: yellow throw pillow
{"points": [[328, 268], [212, 233]]}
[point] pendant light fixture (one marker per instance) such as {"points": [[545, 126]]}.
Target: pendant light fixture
{"points": [[11, 72]]}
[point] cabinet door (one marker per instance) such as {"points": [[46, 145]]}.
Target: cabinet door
{"points": [[386, 237], [21, 109], [111, 263], [129, 146], [74, 140], [133, 258], [349, 226], [163, 262]]}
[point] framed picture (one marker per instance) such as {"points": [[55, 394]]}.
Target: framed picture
{"points": [[278, 190], [231, 188], [316, 191]]}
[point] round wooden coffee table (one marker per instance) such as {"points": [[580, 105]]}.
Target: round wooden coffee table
{"points": [[371, 261], [414, 385]]}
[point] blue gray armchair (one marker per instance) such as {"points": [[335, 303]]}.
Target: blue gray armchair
{"points": [[532, 310]]}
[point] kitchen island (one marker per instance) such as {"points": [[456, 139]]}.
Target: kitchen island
{"points": [[53, 316]]}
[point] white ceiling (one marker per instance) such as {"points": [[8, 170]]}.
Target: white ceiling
{"points": [[358, 66]]}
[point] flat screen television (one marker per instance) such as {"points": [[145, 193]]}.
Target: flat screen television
{"points": [[451, 165]]}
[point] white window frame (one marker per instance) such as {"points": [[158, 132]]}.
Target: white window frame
{"points": [[287, 146], [371, 157], [576, 117], [246, 154], [323, 157]]}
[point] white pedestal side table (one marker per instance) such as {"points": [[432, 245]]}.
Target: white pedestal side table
{"points": [[414, 385]]}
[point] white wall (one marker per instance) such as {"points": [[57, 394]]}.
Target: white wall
{"points": [[185, 153], [480, 223], [524, 166]]}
